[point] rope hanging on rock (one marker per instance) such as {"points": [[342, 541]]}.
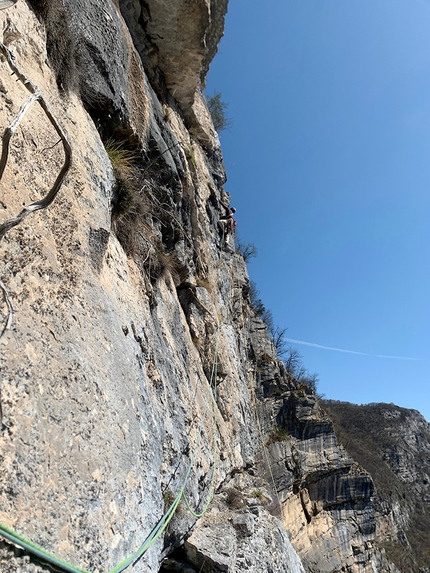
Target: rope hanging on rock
{"points": [[10, 131], [5, 531]]}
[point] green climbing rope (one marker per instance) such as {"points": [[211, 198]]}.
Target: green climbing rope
{"points": [[44, 555], [38, 551]]}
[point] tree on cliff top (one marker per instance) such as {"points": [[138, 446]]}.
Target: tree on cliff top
{"points": [[217, 109]]}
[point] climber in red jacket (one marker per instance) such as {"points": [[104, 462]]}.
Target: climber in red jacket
{"points": [[227, 223]]}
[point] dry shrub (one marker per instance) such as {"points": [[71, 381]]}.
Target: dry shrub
{"points": [[131, 207], [168, 499], [235, 499], [205, 283], [122, 158], [162, 264], [130, 227], [137, 215], [278, 434]]}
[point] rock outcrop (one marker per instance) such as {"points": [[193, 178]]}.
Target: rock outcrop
{"points": [[393, 444], [136, 375]]}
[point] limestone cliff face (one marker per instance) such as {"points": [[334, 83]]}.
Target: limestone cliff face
{"points": [[392, 443], [124, 297]]}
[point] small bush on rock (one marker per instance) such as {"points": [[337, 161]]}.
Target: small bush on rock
{"points": [[279, 434], [217, 109], [168, 499], [235, 499], [246, 250]]}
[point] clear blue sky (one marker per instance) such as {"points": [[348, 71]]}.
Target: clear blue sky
{"points": [[328, 165]]}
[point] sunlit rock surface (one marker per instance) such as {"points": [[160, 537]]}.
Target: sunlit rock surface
{"points": [[124, 299]]}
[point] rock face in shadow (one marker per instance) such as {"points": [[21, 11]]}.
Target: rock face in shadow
{"points": [[136, 367], [177, 41]]}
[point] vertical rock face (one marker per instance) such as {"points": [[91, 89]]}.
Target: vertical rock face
{"points": [[136, 372], [177, 41]]}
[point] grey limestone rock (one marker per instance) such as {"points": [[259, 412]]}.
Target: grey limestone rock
{"points": [[213, 547], [244, 523], [107, 405]]}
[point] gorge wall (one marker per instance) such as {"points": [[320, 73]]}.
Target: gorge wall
{"points": [[130, 313], [393, 444]]}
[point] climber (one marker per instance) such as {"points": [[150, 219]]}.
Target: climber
{"points": [[227, 223]]}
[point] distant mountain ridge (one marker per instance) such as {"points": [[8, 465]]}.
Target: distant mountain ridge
{"points": [[393, 445]]}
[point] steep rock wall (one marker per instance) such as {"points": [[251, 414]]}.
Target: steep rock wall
{"points": [[105, 370], [394, 445], [124, 297]]}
